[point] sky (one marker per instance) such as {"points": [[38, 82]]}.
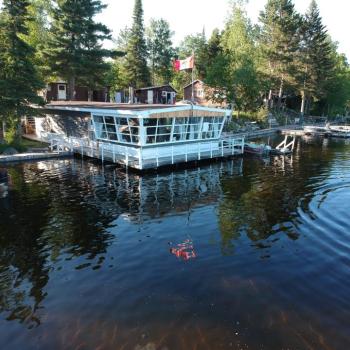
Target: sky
{"points": [[191, 16]]}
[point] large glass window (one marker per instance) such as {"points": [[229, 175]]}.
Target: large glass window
{"points": [[117, 128], [158, 130]]}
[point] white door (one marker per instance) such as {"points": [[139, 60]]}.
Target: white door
{"points": [[150, 96], [62, 92]]}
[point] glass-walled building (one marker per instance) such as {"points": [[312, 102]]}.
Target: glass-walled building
{"points": [[145, 130], [142, 136]]}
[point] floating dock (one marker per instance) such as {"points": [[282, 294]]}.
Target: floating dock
{"points": [[137, 136], [20, 157]]}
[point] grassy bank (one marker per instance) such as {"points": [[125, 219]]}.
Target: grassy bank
{"points": [[22, 145]]}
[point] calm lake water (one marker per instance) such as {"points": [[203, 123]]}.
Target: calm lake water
{"points": [[88, 254]]}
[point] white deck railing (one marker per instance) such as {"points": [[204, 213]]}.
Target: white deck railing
{"points": [[150, 157]]}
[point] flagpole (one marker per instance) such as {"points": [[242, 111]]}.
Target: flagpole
{"points": [[192, 96]]}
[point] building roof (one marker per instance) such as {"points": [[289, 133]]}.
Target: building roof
{"points": [[154, 87], [127, 109], [193, 82], [103, 105]]}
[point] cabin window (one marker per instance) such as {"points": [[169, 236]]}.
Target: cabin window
{"points": [[200, 93]]}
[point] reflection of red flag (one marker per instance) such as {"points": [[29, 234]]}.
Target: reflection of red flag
{"points": [[187, 63]]}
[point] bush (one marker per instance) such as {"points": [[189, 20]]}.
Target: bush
{"points": [[12, 132]]}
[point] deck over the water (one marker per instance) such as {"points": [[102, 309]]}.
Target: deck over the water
{"points": [[138, 159]]}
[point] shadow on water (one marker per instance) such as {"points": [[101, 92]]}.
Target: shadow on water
{"points": [[85, 261]]}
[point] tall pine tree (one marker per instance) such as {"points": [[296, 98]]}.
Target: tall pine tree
{"points": [[136, 58], [316, 64], [280, 40], [75, 50], [160, 51], [19, 80]]}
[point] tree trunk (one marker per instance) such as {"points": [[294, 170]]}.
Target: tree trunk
{"points": [[302, 107], [71, 84], [280, 94], [90, 92], [269, 100], [2, 130]]}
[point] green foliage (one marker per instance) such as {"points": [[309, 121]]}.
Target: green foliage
{"points": [[12, 135], [19, 78], [39, 34], [279, 42], [20, 144], [316, 63], [160, 51], [336, 98], [118, 75], [195, 44], [74, 50], [136, 58], [233, 72]]}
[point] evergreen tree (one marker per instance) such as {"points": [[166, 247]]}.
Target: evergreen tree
{"points": [[335, 98], [316, 63], [160, 51], [280, 39], [136, 58], [74, 51], [214, 47], [19, 80], [39, 33]]}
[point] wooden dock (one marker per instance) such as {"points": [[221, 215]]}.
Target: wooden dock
{"points": [[20, 157]]}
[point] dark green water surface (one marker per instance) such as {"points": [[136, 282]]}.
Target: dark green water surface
{"points": [[85, 259]]}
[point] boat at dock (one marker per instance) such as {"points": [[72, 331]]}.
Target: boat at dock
{"points": [[256, 148], [316, 130], [342, 131]]}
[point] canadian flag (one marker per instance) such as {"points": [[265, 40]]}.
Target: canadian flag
{"points": [[187, 63]]}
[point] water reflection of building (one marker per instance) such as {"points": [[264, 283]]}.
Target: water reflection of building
{"points": [[66, 207]]}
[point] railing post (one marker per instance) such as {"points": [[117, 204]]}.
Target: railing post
{"points": [[222, 148], [157, 158], [172, 154], [113, 153], [186, 152], [199, 154], [232, 146], [82, 150], [126, 157], [102, 154], [211, 150], [140, 158]]}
